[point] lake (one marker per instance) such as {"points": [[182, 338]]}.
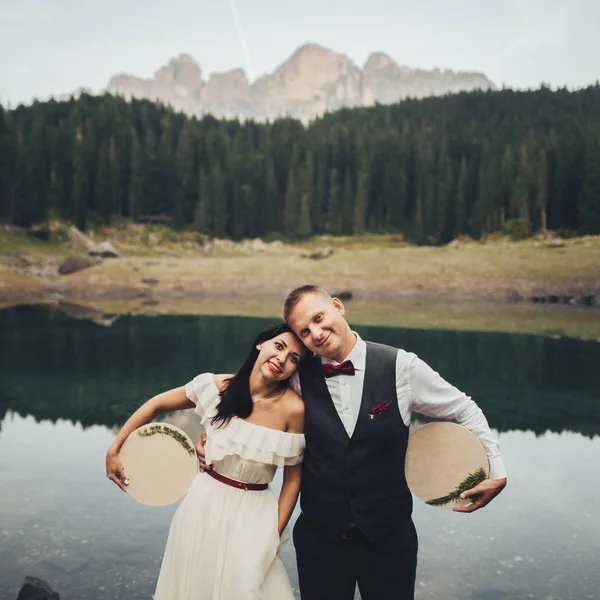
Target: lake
{"points": [[66, 385]]}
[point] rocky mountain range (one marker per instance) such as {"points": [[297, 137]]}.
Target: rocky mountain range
{"points": [[312, 81]]}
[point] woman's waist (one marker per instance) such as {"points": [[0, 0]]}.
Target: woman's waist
{"points": [[235, 483], [244, 471]]}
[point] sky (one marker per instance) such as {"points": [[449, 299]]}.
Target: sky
{"points": [[54, 47]]}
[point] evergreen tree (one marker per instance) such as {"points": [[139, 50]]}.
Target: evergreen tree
{"points": [[272, 213], [347, 204], [202, 213], [7, 158], [22, 207], [136, 183], [507, 177], [81, 181], [521, 196], [445, 198], [242, 213], [319, 204], [106, 185], [308, 190], [399, 201], [334, 216], [360, 204], [185, 195], [152, 173], [290, 209], [304, 223], [461, 199], [116, 178], [219, 202], [589, 201], [429, 209], [39, 169], [542, 190]]}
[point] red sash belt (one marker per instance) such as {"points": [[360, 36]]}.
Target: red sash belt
{"points": [[252, 487]]}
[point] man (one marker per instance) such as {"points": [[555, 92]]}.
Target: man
{"points": [[356, 524]]}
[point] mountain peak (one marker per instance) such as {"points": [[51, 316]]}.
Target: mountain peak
{"points": [[184, 58], [378, 61], [311, 49], [313, 57]]}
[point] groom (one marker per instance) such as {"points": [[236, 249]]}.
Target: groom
{"points": [[356, 524]]}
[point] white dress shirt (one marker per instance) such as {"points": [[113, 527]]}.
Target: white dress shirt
{"points": [[418, 388]]}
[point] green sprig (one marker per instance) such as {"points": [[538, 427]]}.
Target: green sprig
{"points": [[471, 480], [154, 429]]}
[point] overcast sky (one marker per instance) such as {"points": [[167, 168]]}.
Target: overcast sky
{"points": [[52, 47]]}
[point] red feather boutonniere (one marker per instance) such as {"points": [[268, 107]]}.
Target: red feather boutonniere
{"points": [[379, 409]]}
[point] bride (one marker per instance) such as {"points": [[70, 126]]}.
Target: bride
{"points": [[225, 535]]}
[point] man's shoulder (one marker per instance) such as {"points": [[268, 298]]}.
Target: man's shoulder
{"points": [[379, 345], [384, 347], [403, 357]]}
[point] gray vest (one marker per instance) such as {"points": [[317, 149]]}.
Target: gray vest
{"points": [[359, 480]]}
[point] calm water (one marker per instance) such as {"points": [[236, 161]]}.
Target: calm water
{"points": [[66, 385]]}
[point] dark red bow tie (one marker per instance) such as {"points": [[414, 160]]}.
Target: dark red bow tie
{"points": [[346, 368]]}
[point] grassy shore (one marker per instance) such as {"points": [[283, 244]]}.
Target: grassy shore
{"points": [[470, 286]]}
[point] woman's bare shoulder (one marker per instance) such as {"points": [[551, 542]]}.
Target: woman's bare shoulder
{"points": [[221, 381], [294, 399], [294, 411]]}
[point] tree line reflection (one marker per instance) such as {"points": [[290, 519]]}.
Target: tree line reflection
{"points": [[55, 367]]}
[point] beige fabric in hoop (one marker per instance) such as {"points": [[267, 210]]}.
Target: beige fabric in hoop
{"points": [[160, 462], [439, 457]]}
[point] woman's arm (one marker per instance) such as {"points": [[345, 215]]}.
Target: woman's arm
{"points": [[292, 475], [166, 402], [288, 497]]}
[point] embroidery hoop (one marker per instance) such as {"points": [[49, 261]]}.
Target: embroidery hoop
{"points": [[439, 457], [158, 463]]}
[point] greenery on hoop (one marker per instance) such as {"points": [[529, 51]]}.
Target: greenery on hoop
{"points": [[469, 482], [163, 430]]}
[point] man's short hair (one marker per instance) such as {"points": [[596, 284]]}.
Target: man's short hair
{"points": [[296, 295]]}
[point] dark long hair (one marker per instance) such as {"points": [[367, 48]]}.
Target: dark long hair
{"points": [[236, 400]]}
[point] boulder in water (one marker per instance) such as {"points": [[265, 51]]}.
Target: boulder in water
{"points": [[36, 589]]}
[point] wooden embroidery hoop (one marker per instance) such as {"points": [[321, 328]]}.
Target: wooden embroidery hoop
{"points": [[160, 462], [439, 457]]}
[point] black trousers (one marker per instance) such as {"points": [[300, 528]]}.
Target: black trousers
{"points": [[329, 569]]}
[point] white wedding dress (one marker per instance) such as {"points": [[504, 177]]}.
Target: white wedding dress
{"points": [[223, 542]]}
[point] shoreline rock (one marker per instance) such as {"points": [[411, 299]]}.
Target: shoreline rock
{"points": [[77, 262], [34, 588]]}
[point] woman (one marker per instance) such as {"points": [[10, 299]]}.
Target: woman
{"points": [[226, 532]]}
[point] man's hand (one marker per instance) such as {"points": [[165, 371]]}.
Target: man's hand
{"points": [[481, 494], [201, 452]]}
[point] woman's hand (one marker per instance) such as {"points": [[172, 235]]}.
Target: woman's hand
{"points": [[115, 471], [201, 453], [174, 399]]}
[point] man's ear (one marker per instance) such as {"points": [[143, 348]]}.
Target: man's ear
{"points": [[339, 306]]}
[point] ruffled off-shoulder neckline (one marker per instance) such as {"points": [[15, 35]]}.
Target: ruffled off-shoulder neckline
{"points": [[248, 440], [249, 423]]}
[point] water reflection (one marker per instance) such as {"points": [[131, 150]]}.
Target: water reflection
{"points": [[65, 383], [54, 367]]}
